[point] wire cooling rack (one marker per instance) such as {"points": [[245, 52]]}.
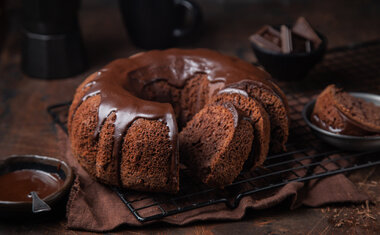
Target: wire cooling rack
{"points": [[355, 67]]}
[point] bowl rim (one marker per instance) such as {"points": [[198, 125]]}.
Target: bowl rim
{"points": [[47, 161], [320, 48], [311, 104]]}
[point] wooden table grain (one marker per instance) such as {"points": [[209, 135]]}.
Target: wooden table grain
{"points": [[26, 128]]}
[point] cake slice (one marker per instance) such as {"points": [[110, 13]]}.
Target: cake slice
{"points": [[277, 108], [215, 144], [194, 96], [339, 112], [258, 117], [146, 163]]}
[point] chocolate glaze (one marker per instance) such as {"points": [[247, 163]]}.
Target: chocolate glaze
{"points": [[115, 98], [16, 186], [122, 81], [231, 90]]}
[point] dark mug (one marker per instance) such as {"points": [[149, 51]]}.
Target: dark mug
{"points": [[52, 43], [156, 24]]}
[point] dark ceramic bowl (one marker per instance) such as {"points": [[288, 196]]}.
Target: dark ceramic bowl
{"points": [[294, 66], [345, 142], [11, 209]]}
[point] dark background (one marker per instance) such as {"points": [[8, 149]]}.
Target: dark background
{"points": [[227, 24], [26, 128]]}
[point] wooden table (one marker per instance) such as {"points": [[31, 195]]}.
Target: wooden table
{"points": [[26, 128]]}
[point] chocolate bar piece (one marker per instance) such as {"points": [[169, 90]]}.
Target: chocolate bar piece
{"points": [[270, 34], [286, 39], [300, 44], [303, 29], [301, 39], [264, 43]]}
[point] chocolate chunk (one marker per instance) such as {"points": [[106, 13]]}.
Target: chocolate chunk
{"points": [[264, 43], [298, 44], [286, 40], [270, 34], [303, 29]]}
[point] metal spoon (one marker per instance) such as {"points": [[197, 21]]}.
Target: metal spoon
{"points": [[38, 205]]}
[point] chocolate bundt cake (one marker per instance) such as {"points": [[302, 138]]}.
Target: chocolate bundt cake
{"points": [[339, 112], [123, 120]]}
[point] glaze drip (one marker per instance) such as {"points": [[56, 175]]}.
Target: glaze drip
{"points": [[128, 108]]}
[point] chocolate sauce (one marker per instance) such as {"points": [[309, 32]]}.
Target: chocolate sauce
{"points": [[16, 186], [122, 81]]}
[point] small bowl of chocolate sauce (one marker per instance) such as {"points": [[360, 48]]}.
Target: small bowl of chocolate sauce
{"points": [[48, 178]]}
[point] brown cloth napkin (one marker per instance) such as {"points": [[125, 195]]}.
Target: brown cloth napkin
{"points": [[95, 207]]}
